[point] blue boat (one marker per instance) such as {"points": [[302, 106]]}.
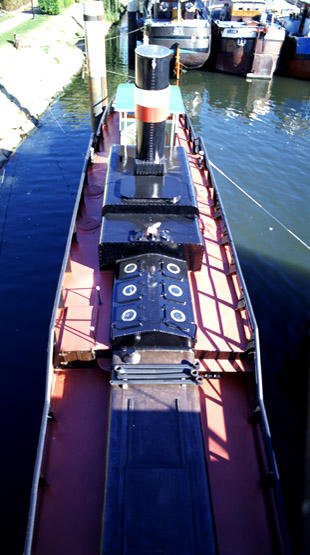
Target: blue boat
{"points": [[295, 54]]}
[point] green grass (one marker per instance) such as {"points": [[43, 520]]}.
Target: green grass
{"points": [[24, 28]]}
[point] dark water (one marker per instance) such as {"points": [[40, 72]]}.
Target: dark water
{"points": [[258, 134]]}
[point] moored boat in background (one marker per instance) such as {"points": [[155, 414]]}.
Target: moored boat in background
{"points": [[295, 53], [179, 24], [154, 435], [244, 42]]}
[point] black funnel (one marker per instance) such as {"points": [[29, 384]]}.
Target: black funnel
{"points": [[151, 108]]}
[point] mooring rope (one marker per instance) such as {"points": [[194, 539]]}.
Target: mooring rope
{"points": [[65, 132], [261, 206], [122, 33], [131, 77]]}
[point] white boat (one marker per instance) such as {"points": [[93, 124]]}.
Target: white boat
{"points": [[180, 24]]}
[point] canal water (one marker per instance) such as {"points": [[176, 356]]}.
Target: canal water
{"points": [[257, 134]]}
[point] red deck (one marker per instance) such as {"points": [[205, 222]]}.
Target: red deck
{"points": [[220, 327], [232, 467], [70, 508]]}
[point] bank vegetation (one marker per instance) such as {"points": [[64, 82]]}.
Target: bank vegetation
{"points": [[49, 53]]}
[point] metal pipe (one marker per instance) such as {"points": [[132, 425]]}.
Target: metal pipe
{"points": [[150, 377], [157, 367], [131, 17], [177, 64], [184, 381]]}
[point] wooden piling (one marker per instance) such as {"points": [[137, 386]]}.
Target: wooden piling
{"points": [[96, 59]]}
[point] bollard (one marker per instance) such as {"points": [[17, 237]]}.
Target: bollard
{"points": [[17, 42]]}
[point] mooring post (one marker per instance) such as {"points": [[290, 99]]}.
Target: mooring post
{"points": [[96, 59], [131, 17]]}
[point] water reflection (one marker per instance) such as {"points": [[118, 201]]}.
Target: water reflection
{"points": [[231, 96], [75, 100], [258, 97], [291, 104], [117, 56], [235, 96]]}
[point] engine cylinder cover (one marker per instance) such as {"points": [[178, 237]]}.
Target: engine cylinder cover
{"points": [[152, 304]]}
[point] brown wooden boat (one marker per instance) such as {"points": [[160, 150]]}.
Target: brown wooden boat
{"points": [[154, 436]]}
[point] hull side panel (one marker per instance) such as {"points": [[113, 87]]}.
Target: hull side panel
{"points": [[193, 54], [231, 58], [69, 508]]}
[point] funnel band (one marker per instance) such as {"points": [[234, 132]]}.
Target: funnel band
{"points": [[151, 115]]}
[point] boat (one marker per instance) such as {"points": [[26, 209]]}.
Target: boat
{"points": [[295, 53], [154, 435], [183, 25], [281, 8], [244, 42]]}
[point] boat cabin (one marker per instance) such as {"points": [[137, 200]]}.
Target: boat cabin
{"points": [[168, 10], [243, 11]]}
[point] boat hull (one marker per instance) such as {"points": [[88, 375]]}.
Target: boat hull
{"points": [[295, 57], [247, 52], [229, 57], [194, 41]]}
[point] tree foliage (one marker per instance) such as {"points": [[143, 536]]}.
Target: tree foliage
{"points": [[11, 5], [111, 9], [54, 7]]}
